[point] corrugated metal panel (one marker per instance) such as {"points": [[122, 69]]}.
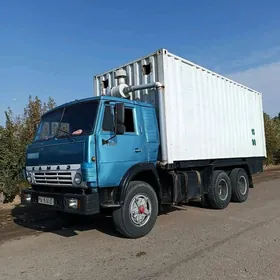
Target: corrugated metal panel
{"points": [[207, 115], [210, 116], [135, 76]]}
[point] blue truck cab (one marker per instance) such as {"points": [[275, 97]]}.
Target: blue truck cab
{"points": [[85, 153]]}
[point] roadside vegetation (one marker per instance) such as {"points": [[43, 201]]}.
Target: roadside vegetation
{"points": [[19, 131]]}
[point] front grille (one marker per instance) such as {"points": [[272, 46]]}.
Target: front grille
{"points": [[53, 178]]}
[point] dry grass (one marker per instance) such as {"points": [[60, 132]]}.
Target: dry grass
{"points": [[271, 167], [12, 204]]}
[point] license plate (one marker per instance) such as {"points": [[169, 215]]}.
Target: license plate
{"points": [[46, 200]]}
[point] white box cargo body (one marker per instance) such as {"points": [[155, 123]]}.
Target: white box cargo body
{"points": [[207, 116]]}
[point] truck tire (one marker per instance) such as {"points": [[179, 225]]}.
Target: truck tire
{"points": [[219, 191], [139, 212], [240, 185]]}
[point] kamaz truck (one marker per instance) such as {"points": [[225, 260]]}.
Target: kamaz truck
{"points": [[158, 130]]}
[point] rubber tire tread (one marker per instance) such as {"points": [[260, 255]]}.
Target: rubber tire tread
{"points": [[212, 197], [236, 196], [121, 218]]}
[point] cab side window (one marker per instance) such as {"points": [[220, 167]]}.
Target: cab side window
{"points": [[108, 120], [129, 120]]}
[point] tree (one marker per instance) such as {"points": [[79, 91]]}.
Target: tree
{"points": [[277, 117], [15, 136], [10, 156], [32, 114], [272, 135]]}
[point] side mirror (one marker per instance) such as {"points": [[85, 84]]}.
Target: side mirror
{"points": [[119, 113], [120, 129], [119, 122]]}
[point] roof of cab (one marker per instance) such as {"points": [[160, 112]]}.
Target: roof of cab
{"points": [[108, 98]]}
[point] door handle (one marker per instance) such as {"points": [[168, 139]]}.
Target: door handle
{"points": [[137, 150]]}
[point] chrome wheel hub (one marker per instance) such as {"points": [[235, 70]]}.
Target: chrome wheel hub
{"points": [[140, 210], [222, 189], [242, 185]]}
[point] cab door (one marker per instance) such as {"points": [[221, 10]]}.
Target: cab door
{"points": [[123, 151]]}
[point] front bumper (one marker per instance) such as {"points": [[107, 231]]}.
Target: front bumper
{"points": [[88, 203]]}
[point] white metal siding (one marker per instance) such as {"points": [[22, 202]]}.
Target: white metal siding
{"points": [[207, 115], [135, 76]]}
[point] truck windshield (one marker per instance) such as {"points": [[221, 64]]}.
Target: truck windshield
{"points": [[78, 119]]}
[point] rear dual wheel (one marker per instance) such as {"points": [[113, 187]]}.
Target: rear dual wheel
{"points": [[219, 191], [240, 185], [225, 188]]}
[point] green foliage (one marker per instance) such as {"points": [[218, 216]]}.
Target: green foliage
{"points": [[14, 137], [272, 135]]}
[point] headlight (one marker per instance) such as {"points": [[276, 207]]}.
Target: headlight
{"points": [[78, 179], [27, 197], [73, 203]]}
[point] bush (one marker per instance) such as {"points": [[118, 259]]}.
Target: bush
{"points": [[272, 135], [14, 138], [9, 190]]}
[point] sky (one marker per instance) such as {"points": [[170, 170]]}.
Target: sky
{"points": [[54, 48]]}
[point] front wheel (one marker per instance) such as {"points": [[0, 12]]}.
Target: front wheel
{"points": [[139, 212]]}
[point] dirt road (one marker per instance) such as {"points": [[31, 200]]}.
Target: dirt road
{"points": [[240, 242]]}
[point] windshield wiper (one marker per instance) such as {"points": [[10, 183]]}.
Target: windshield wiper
{"points": [[66, 132], [58, 127], [70, 136]]}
